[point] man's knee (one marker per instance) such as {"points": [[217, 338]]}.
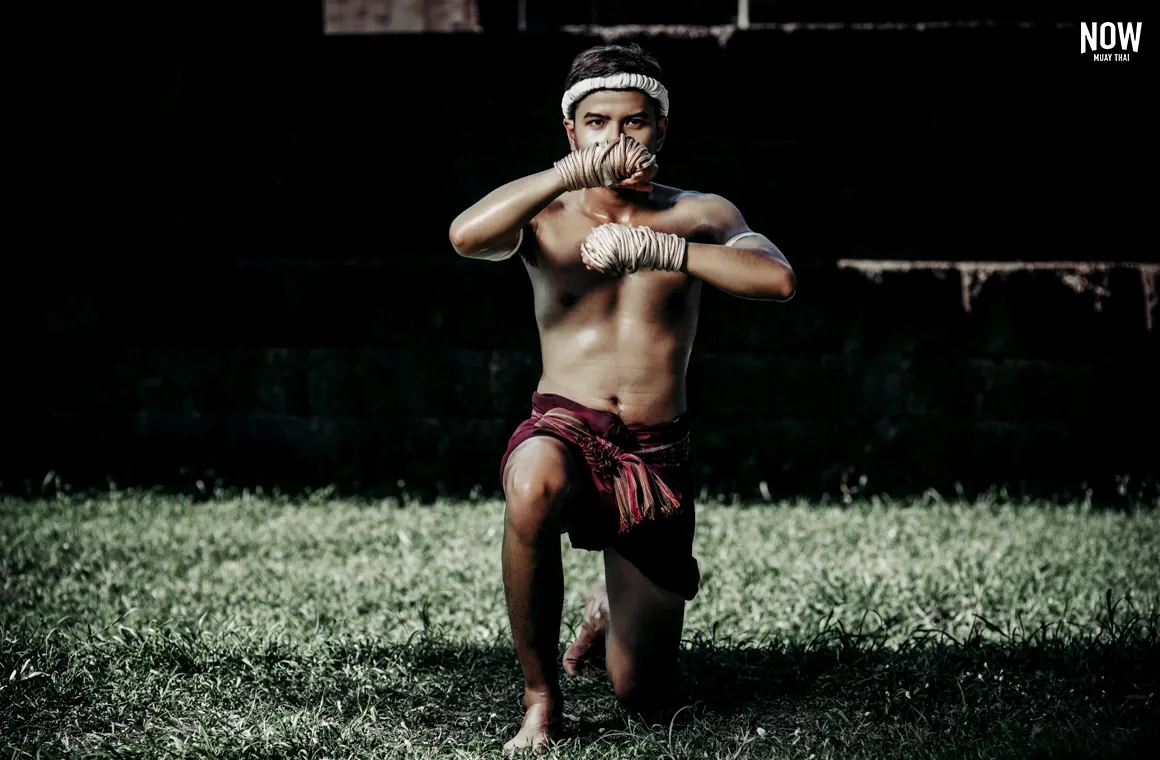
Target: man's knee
{"points": [[648, 697], [536, 484], [625, 686]]}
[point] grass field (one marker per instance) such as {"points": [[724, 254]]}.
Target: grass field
{"points": [[148, 626]]}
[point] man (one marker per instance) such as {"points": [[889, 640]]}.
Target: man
{"points": [[616, 264]]}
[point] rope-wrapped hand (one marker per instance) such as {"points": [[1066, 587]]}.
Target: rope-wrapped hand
{"points": [[620, 249], [604, 164]]}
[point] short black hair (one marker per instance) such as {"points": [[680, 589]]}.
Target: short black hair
{"points": [[606, 60]]}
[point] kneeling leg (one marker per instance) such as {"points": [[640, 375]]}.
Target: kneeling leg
{"points": [[644, 635]]}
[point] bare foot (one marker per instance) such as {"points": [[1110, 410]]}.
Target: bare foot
{"points": [[541, 727], [589, 644]]}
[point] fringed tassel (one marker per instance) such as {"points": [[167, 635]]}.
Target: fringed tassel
{"points": [[640, 493]]}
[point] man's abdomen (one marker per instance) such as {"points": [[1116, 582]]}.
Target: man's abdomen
{"points": [[624, 365]]}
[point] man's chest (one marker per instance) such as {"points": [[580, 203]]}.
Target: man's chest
{"points": [[564, 285], [560, 236]]}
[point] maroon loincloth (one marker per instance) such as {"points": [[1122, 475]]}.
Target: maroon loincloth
{"points": [[636, 495]]}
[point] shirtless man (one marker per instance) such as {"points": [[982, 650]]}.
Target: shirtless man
{"points": [[616, 264]]}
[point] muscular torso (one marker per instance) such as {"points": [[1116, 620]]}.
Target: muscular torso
{"points": [[619, 344]]}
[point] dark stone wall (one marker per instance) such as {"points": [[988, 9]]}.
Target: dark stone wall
{"points": [[258, 285]]}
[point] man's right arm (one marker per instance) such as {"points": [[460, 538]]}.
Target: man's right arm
{"points": [[491, 228]]}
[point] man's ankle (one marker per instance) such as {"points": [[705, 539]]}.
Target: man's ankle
{"points": [[543, 695]]}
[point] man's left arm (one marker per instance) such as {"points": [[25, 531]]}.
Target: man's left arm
{"points": [[744, 263]]}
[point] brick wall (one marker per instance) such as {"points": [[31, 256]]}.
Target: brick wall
{"points": [[275, 299], [394, 16]]}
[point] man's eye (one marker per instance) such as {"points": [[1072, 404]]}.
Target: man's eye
{"points": [[637, 122], [596, 123]]}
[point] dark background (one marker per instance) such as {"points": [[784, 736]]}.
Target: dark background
{"points": [[244, 274]]}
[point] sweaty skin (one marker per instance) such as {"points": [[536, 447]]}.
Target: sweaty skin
{"points": [[614, 344], [617, 344]]}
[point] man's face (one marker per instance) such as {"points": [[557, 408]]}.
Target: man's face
{"points": [[606, 114]]}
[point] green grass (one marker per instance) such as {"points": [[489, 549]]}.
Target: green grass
{"points": [[137, 625]]}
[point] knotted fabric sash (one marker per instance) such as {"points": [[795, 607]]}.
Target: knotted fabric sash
{"points": [[640, 492]]}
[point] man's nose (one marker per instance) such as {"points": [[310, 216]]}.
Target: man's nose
{"points": [[614, 130]]}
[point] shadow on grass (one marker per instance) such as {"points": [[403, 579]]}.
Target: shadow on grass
{"points": [[1043, 695]]}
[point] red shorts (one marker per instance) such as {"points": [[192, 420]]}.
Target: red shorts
{"points": [[661, 545]]}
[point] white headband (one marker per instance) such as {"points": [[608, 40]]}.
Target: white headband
{"points": [[621, 81]]}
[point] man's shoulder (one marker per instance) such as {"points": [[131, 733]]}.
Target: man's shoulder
{"points": [[676, 195], [710, 214], [698, 201]]}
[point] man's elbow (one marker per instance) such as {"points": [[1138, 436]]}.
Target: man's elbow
{"points": [[461, 241], [458, 243], [471, 246], [782, 286], [788, 285]]}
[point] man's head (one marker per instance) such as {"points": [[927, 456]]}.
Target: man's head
{"points": [[637, 107]]}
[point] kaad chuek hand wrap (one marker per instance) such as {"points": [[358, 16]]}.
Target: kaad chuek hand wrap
{"points": [[604, 164], [620, 249]]}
